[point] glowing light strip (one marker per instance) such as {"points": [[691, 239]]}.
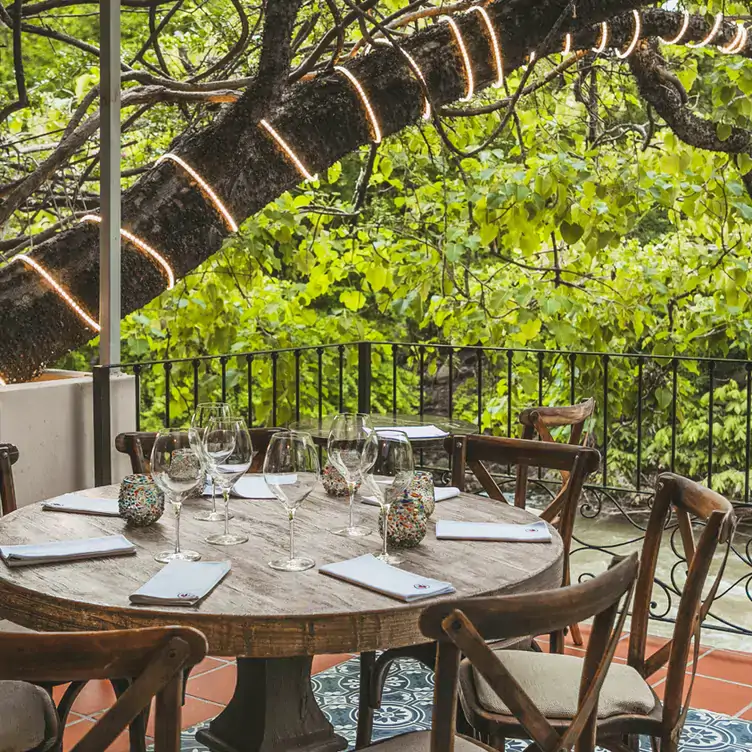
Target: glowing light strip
{"points": [[58, 289], [205, 187], [419, 73], [635, 39], [604, 38], [287, 150], [495, 46], [738, 42], [3, 382], [366, 103], [712, 35], [531, 56], [682, 31], [465, 59], [567, 44], [142, 246]]}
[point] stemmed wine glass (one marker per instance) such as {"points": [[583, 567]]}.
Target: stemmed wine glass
{"points": [[392, 467], [291, 470], [204, 412], [176, 469], [228, 447], [348, 437]]}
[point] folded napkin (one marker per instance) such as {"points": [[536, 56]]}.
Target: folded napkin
{"points": [[252, 486], [68, 550], [181, 583], [374, 574], [442, 494], [531, 532], [78, 504], [417, 432]]}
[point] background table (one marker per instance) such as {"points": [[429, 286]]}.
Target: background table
{"points": [[273, 621]]}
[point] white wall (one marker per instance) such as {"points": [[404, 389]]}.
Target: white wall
{"points": [[51, 423]]}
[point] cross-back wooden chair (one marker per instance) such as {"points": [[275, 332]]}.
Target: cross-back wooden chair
{"points": [[151, 661], [138, 445], [463, 627], [629, 707], [8, 458]]}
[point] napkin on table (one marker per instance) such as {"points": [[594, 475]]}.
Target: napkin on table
{"points": [[181, 583], [68, 550], [251, 486], [531, 532], [439, 494], [417, 432], [374, 574], [78, 504]]}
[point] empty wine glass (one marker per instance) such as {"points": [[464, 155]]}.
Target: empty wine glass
{"points": [[203, 413], [348, 437], [392, 468], [176, 469], [292, 470], [228, 447]]}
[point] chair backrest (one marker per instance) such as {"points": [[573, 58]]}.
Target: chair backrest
{"points": [[462, 628], [8, 457], [152, 659], [138, 445], [684, 497]]}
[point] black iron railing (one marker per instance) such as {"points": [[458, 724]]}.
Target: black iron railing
{"points": [[654, 413]]}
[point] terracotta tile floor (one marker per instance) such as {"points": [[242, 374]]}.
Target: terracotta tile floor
{"points": [[723, 685]]}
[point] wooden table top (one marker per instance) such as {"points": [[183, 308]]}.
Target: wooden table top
{"points": [[256, 611]]}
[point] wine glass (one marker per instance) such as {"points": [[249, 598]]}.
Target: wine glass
{"points": [[292, 470], [392, 467], [203, 413], [348, 437], [228, 447], [176, 469]]}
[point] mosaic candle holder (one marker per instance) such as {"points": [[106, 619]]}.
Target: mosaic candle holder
{"points": [[422, 484], [334, 483], [407, 522], [140, 501]]}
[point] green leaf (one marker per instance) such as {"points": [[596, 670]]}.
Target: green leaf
{"points": [[571, 232], [723, 131]]}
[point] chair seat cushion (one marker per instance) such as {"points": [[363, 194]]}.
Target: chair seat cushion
{"points": [[420, 741], [29, 718], [552, 682]]}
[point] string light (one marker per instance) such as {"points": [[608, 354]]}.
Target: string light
{"points": [[604, 38], [739, 42], [712, 35], [495, 46], [465, 59], [59, 289], [205, 187], [635, 39], [682, 31], [142, 246], [287, 150], [419, 73], [531, 57], [366, 103], [567, 44]]}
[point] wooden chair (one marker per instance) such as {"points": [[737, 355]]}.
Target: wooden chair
{"points": [[473, 451], [629, 706], [138, 445], [8, 458], [461, 627], [150, 661]]}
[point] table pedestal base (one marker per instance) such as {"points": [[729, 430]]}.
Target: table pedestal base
{"points": [[273, 710]]}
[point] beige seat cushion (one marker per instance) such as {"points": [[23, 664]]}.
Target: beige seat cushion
{"points": [[552, 682], [420, 741], [29, 718]]}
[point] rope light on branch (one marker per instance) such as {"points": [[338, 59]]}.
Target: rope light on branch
{"points": [[142, 246], [495, 45], [366, 102], [469, 79], [682, 31], [205, 187], [287, 150], [59, 289], [635, 38], [419, 73], [604, 38], [712, 35], [567, 44], [739, 42]]}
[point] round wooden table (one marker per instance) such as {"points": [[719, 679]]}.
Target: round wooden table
{"points": [[274, 622]]}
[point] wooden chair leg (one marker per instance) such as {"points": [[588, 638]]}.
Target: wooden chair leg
{"points": [[576, 635], [365, 707], [167, 716], [498, 741], [137, 728]]}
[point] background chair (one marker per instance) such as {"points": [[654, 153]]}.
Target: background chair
{"points": [[629, 706], [8, 458], [150, 661]]}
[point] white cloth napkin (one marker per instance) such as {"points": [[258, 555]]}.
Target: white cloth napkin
{"points": [[68, 550], [532, 532], [251, 486], [181, 583], [78, 504], [417, 432], [374, 574], [442, 494]]}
